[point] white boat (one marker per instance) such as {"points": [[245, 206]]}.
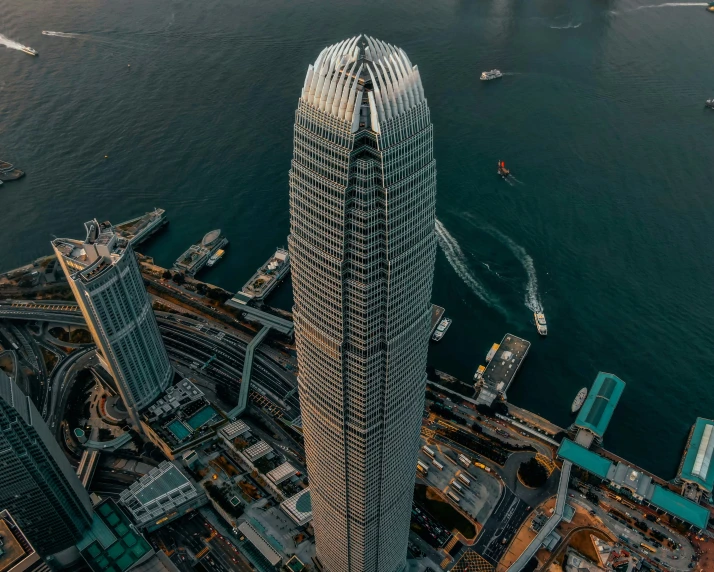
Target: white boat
{"points": [[441, 329], [541, 326], [579, 400], [709, 103], [216, 257], [489, 75], [29, 50]]}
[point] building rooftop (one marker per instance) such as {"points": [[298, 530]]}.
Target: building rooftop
{"points": [[164, 488], [696, 465], [281, 473], [582, 457], [255, 452], [235, 429], [257, 540], [600, 404], [680, 507], [16, 552], [636, 481], [112, 544], [299, 507]]}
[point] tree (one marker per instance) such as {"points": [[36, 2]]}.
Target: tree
{"points": [[166, 275], [179, 278], [532, 473]]}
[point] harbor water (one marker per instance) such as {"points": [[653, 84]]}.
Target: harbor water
{"points": [[605, 225]]}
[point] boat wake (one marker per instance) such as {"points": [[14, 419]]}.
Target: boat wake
{"points": [[516, 180], [12, 44], [533, 301], [457, 259], [665, 5], [569, 26], [60, 34]]}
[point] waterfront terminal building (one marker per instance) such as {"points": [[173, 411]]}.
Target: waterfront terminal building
{"points": [[106, 281], [362, 248]]}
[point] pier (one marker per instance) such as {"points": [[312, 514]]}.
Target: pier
{"points": [[197, 255], [265, 279], [502, 368]]}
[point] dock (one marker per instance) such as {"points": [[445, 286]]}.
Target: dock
{"points": [[502, 369], [265, 279], [8, 172], [197, 255], [138, 229]]}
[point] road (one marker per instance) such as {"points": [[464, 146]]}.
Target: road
{"points": [[506, 519]]}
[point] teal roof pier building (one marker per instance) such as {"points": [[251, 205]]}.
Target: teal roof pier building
{"points": [[596, 412]]}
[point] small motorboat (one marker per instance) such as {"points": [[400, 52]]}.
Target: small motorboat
{"points": [[709, 103], [502, 169]]}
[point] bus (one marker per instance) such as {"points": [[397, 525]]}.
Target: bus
{"points": [[465, 461], [437, 464], [428, 451], [648, 548], [453, 497], [422, 467], [457, 487], [464, 479]]}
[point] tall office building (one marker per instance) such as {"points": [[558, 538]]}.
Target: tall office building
{"points": [[37, 484], [362, 247], [104, 275]]}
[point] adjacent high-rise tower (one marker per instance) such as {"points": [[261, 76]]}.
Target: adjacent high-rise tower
{"points": [[104, 275], [37, 484], [362, 247]]}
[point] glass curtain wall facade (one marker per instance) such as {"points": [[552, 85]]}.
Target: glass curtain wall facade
{"points": [[37, 484], [106, 281], [362, 248]]}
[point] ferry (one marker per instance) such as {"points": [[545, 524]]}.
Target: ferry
{"points": [[489, 75], [541, 326], [441, 329], [216, 257], [29, 50], [579, 400], [502, 169]]}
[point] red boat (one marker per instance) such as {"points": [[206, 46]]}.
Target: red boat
{"points": [[502, 169]]}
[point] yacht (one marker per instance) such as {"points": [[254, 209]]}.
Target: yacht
{"points": [[489, 75], [29, 50], [541, 326], [579, 400], [441, 329]]}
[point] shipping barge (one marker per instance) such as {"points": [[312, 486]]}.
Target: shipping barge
{"points": [[197, 255]]}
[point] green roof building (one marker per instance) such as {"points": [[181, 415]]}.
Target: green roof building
{"points": [[113, 544], [582, 457], [696, 467], [600, 404]]}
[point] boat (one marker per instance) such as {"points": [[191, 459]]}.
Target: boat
{"points": [[710, 8], [541, 326], [709, 103], [489, 75], [29, 50], [479, 372], [441, 329], [492, 352], [216, 257], [579, 400], [502, 169]]}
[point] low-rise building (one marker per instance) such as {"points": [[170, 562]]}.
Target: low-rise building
{"points": [[257, 451], [281, 473], [299, 507], [259, 551], [16, 552], [161, 496]]}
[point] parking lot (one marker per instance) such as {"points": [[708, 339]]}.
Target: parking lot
{"points": [[478, 499]]}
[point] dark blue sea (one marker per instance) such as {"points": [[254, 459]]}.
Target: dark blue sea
{"points": [[607, 223]]}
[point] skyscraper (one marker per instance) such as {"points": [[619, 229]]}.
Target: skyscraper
{"points": [[37, 484], [104, 275], [362, 247]]}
